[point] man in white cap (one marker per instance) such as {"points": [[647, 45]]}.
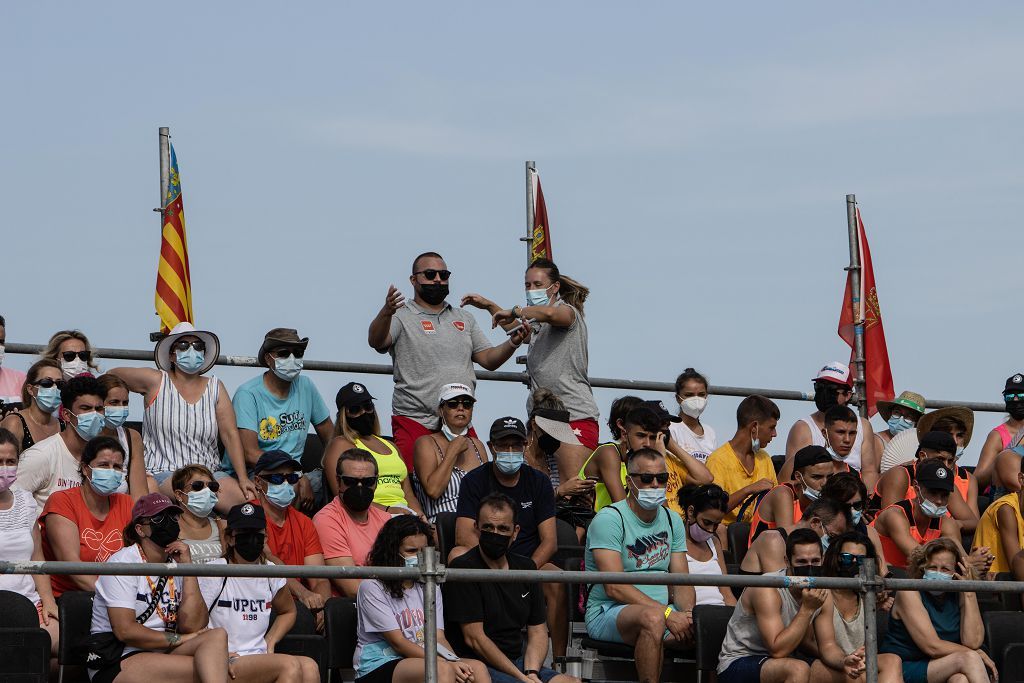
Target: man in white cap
{"points": [[834, 386]]}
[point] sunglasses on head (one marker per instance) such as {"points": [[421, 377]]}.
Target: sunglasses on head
{"points": [[454, 403], [200, 485], [285, 351], [362, 408], [279, 478], [368, 482], [69, 356], [431, 274], [183, 345], [46, 383], [660, 477]]}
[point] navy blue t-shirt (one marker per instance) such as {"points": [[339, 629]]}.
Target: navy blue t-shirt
{"points": [[533, 492]]}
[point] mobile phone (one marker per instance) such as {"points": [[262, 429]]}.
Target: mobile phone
{"points": [[513, 330]]}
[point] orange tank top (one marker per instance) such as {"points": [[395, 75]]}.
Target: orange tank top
{"points": [[757, 525], [893, 555], [961, 480]]}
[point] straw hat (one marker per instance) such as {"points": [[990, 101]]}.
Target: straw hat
{"points": [[908, 399], [164, 346], [965, 415]]}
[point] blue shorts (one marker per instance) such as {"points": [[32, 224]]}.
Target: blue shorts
{"points": [[603, 626], [744, 670], [543, 674], [161, 477]]}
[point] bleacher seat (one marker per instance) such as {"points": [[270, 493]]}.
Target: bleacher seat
{"points": [[983, 503], [74, 615], [1010, 601], [738, 533], [18, 611], [1003, 629], [1012, 670], [778, 461], [568, 542], [24, 654], [313, 454], [444, 526], [340, 620], [709, 624]]}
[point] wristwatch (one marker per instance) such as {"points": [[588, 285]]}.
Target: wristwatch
{"points": [[531, 671], [517, 312]]}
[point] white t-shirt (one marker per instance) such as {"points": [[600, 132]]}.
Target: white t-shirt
{"points": [[700, 447], [16, 544], [135, 593], [242, 608], [47, 467]]}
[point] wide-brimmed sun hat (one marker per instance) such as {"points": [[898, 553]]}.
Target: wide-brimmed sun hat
{"points": [[164, 359], [927, 422]]}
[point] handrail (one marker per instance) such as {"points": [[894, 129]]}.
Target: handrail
{"points": [[598, 382]]}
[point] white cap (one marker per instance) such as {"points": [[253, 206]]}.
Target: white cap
{"points": [[450, 391], [836, 372]]}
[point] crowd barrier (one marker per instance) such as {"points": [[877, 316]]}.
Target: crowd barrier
{"points": [[431, 573], [597, 382]]}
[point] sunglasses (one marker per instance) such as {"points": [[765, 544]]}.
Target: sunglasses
{"points": [[1013, 397], [200, 485], [278, 478], [362, 408], [69, 356], [660, 477], [454, 403], [161, 518], [431, 274], [46, 383], [183, 345], [284, 352], [859, 505], [368, 482]]}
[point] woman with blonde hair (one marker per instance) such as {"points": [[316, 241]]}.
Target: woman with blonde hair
{"points": [[38, 418], [71, 348]]}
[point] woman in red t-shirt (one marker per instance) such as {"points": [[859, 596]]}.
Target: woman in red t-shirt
{"points": [[85, 524]]}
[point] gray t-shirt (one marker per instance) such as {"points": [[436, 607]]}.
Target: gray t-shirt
{"points": [[558, 361], [430, 350]]}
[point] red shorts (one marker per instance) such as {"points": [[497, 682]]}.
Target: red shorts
{"points": [[405, 431], [586, 431]]}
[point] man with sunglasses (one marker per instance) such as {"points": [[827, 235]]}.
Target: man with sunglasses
{"points": [[11, 380], [640, 534], [274, 410], [833, 386], [291, 536], [431, 343]]}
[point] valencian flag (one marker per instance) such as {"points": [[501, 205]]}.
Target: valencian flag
{"points": [[173, 281], [878, 384], [540, 246]]}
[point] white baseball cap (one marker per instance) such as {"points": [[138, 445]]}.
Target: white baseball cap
{"points": [[454, 390], [836, 372]]}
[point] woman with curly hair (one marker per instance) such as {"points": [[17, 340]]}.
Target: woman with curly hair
{"points": [[938, 634], [389, 637]]}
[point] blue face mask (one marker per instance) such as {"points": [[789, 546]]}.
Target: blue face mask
{"points": [[190, 360], [106, 481], [932, 575], [115, 416], [856, 515], [48, 399], [537, 297], [898, 424], [933, 510], [281, 494], [287, 368], [89, 425], [200, 503], [413, 561], [824, 543], [650, 499], [508, 462], [960, 452]]}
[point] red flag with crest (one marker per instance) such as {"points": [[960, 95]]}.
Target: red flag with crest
{"points": [[540, 231]]}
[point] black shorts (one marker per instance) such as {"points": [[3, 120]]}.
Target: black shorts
{"points": [[382, 674], [108, 674]]}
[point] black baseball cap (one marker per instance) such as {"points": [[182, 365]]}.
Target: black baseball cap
{"points": [[1014, 384], [663, 414], [932, 474], [271, 460], [938, 441], [810, 455], [247, 516], [508, 426], [352, 394]]}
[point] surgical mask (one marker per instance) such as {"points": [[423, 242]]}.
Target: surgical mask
{"points": [[411, 562], [200, 503], [856, 516], [494, 546], [106, 481], [812, 494], [190, 360], [932, 575], [449, 434], [693, 406], [7, 477], [73, 368], [434, 294], [115, 416], [362, 424], [755, 444], [960, 452], [807, 570], [824, 542], [281, 494], [357, 498], [48, 399], [537, 297], [508, 462], [898, 424], [249, 545], [89, 425], [650, 499], [931, 509], [166, 532], [287, 368], [835, 456], [699, 533]]}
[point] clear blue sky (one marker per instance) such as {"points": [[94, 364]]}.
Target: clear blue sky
{"points": [[695, 160]]}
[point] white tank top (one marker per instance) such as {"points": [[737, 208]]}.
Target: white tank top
{"points": [[818, 439], [707, 595]]}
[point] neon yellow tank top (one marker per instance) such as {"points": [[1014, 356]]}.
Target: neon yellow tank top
{"points": [[602, 497], [391, 472]]}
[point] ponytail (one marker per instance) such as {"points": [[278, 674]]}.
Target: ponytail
{"points": [[571, 292]]}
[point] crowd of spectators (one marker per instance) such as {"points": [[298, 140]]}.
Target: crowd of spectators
{"points": [[216, 478]]}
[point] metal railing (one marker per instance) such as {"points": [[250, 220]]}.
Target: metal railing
{"points": [[431, 573], [520, 377]]}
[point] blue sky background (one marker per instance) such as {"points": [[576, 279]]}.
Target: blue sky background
{"points": [[695, 161]]}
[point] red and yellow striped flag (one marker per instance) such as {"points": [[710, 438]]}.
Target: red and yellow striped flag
{"points": [[173, 280]]}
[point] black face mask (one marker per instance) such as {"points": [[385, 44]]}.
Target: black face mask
{"points": [[1015, 409], [166, 532], [825, 397], [548, 444], [249, 545], [494, 546], [434, 294], [357, 498], [807, 570], [848, 571], [362, 424]]}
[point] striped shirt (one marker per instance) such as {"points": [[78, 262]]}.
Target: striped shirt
{"points": [[178, 433], [449, 498]]}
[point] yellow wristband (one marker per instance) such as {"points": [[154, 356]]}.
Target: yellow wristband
{"points": [[668, 611]]}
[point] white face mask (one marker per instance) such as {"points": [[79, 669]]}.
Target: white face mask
{"points": [[74, 368], [693, 406], [449, 434]]}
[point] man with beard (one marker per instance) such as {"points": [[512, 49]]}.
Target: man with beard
{"points": [[834, 386], [431, 343]]}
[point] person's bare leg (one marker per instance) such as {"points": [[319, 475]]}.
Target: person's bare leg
{"points": [[149, 666], [822, 674], [209, 656], [558, 615], [414, 671], [643, 628], [310, 670], [785, 670], [268, 669], [890, 669], [966, 662]]}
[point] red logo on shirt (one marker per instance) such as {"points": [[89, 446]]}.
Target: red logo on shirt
{"points": [[428, 327], [459, 325]]}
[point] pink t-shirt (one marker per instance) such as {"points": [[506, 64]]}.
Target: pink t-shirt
{"points": [[342, 536], [10, 385]]}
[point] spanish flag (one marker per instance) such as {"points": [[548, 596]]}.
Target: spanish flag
{"points": [[173, 280], [540, 231]]}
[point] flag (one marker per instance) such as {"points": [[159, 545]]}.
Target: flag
{"points": [[878, 384], [173, 280], [540, 231]]}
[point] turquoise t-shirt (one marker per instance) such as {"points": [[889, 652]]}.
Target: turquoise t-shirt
{"points": [[280, 424], [645, 548]]}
